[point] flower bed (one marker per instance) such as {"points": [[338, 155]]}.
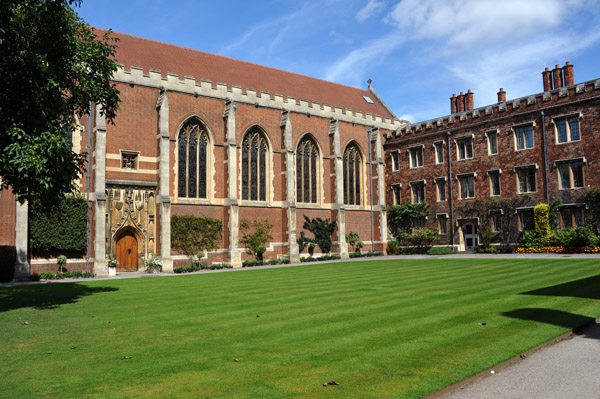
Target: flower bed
{"points": [[559, 250]]}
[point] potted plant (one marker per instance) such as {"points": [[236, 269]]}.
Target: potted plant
{"points": [[154, 264], [112, 265]]}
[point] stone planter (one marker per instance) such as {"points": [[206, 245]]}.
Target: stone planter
{"points": [[112, 271]]}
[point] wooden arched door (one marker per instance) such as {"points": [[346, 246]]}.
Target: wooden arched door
{"points": [[127, 252]]}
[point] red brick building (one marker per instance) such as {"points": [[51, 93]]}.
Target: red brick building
{"points": [[201, 134], [545, 145]]}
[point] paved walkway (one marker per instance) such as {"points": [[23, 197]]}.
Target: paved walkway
{"points": [[568, 369]]}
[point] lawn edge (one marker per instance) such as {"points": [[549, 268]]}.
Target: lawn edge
{"points": [[514, 360]]}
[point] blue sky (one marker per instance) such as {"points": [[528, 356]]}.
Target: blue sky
{"points": [[418, 52]]}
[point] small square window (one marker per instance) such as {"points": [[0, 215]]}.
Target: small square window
{"points": [[524, 137], [572, 216], [416, 157], [129, 160]]}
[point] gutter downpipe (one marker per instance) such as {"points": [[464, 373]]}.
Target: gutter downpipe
{"points": [[87, 219], [545, 158], [450, 197], [371, 188]]}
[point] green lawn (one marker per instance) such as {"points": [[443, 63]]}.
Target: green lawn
{"points": [[380, 329]]}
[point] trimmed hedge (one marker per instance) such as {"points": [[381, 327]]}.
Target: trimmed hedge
{"points": [[58, 228]]}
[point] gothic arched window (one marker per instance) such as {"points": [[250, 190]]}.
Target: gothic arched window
{"points": [[254, 166], [193, 160], [306, 171], [352, 164]]}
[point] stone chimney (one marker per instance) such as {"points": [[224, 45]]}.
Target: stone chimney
{"points": [[557, 77], [547, 79], [453, 109], [469, 100], [461, 102], [502, 95], [568, 74]]}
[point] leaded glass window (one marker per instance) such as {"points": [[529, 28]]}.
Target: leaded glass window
{"points": [[254, 166], [352, 161], [306, 171], [192, 158]]}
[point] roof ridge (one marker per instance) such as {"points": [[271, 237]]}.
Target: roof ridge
{"points": [[232, 59]]}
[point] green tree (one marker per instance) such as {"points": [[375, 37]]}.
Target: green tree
{"points": [[322, 230], [256, 234], [193, 235], [401, 217], [592, 204], [353, 240], [51, 66]]}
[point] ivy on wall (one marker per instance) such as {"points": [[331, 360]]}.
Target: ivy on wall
{"points": [[58, 228]]}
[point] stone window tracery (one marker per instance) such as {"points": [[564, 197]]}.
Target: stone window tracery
{"points": [[192, 158], [254, 166], [306, 171], [352, 161]]}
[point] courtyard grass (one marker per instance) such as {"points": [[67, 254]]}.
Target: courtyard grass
{"points": [[383, 328]]}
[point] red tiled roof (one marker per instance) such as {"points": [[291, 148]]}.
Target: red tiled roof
{"points": [[150, 54]]}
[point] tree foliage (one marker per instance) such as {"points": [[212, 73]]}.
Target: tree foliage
{"points": [[402, 216], [51, 66], [322, 230], [256, 234], [58, 228], [592, 204], [193, 235], [353, 239]]}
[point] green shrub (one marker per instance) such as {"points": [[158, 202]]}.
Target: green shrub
{"points": [[393, 248], [60, 227], [356, 254], [255, 236], [307, 259], [420, 240], [34, 277], [251, 263], [193, 235], [481, 249], [354, 241], [579, 237], [529, 239], [439, 251], [322, 230]]}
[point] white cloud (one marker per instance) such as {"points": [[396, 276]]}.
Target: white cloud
{"points": [[352, 67], [372, 8], [339, 38], [408, 117]]}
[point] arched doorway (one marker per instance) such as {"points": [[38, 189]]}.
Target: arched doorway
{"points": [[470, 234], [127, 252]]}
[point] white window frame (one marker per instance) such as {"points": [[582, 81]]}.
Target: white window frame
{"points": [[413, 184], [437, 188], [566, 118], [569, 163], [495, 133], [396, 163], [489, 174], [396, 194], [518, 176], [440, 216], [469, 139], [439, 151], [414, 160], [460, 178], [515, 133]]}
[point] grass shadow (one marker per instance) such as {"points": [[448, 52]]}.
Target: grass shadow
{"points": [[550, 316], [45, 296], [583, 288]]}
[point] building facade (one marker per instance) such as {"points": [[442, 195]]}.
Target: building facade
{"points": [[205, 135], [535, 148], [200, 134]]}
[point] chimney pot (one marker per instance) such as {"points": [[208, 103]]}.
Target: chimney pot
{"points": [[557, 77], [461, 102], [469, 100], [568, 74], [453, 108], [501, 95], [547, 79]]}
